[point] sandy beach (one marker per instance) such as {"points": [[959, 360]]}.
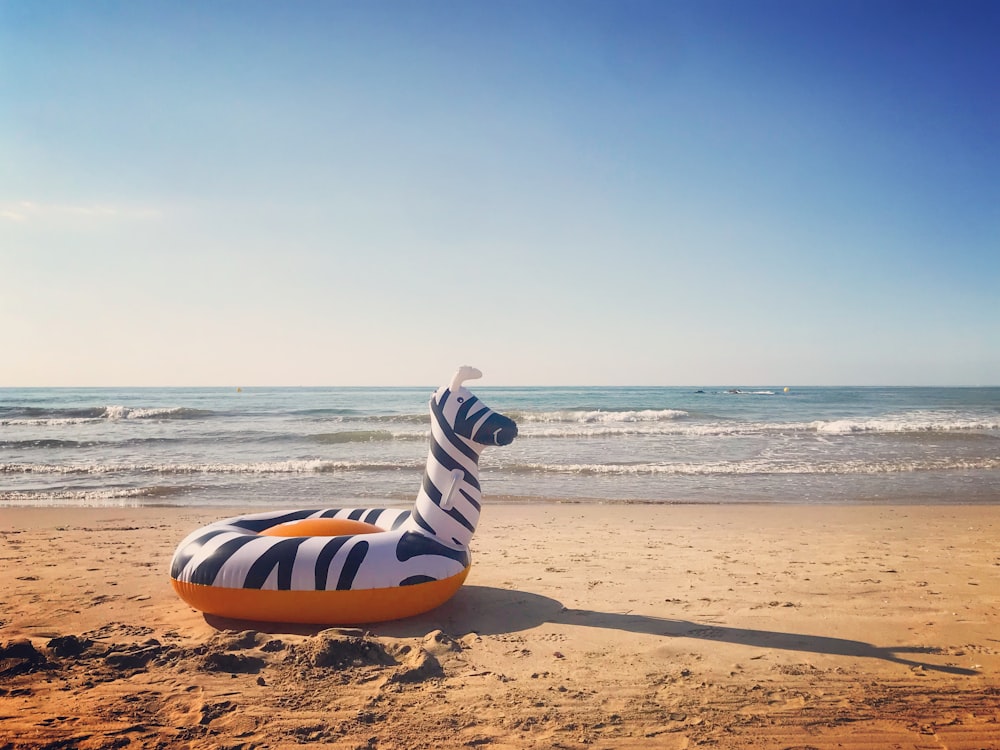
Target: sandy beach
{"points": [[581, 625]]}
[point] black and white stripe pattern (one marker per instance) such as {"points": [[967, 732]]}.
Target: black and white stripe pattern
{"points": [[428, 543]]}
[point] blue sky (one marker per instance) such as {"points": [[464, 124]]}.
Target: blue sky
{"points": [[351, 193]]}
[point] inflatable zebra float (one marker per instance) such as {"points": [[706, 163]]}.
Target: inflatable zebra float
{"points": [[353, 565]]}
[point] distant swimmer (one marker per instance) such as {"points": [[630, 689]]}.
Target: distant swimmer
{"points": [[699, 391]]}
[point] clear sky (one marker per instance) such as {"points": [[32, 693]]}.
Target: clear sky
{"points": [[348, 193]]}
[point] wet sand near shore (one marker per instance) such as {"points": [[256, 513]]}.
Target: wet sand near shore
{"points": [[580, 626]]}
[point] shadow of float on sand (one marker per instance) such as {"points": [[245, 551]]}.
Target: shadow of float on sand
{"points": [[491, 611]]}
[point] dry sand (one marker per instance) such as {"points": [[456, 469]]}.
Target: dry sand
{"points": [[580, 626]]}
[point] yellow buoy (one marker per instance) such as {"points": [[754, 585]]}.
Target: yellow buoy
{"points": [[787, 389]]}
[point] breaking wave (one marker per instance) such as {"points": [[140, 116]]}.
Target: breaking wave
{"points": [[762, 467], [916, 422], [112, 413], [599, 416], [610, 427], [363, 436], [301, 466], [120, 497]]}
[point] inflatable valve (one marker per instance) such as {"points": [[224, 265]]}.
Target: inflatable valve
{"points": [[457, 475]]}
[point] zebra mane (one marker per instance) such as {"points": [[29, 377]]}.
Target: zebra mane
{"points": [[465, 372]]}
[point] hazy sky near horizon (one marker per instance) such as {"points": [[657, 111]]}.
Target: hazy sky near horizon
{"points": [[351, 193]]}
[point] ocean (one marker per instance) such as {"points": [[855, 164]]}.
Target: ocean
{"points": [[327, 447]]}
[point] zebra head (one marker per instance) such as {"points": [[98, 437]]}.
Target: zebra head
{"points": [[459, 411]]}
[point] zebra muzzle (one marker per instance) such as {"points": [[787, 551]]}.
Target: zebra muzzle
{"points": [[496, 430]]}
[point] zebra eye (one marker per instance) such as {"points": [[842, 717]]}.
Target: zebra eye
{"points": [[461, 400]]}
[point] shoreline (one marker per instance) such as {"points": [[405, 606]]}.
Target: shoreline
{"points": [[581, 624], [978, 500]]}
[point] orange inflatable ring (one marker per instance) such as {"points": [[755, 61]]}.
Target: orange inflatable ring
{"points": [[317, 567]]}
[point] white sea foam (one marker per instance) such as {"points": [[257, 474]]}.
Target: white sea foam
{"points": [[128, 412], [111, 413], [597, 416], [693, 429], [910, 423], [764, 467], [47, 421], [260, 467], [86, 498], [913, 422]]}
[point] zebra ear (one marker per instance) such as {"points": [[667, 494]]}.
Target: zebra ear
{"points": [[461, 375]]}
